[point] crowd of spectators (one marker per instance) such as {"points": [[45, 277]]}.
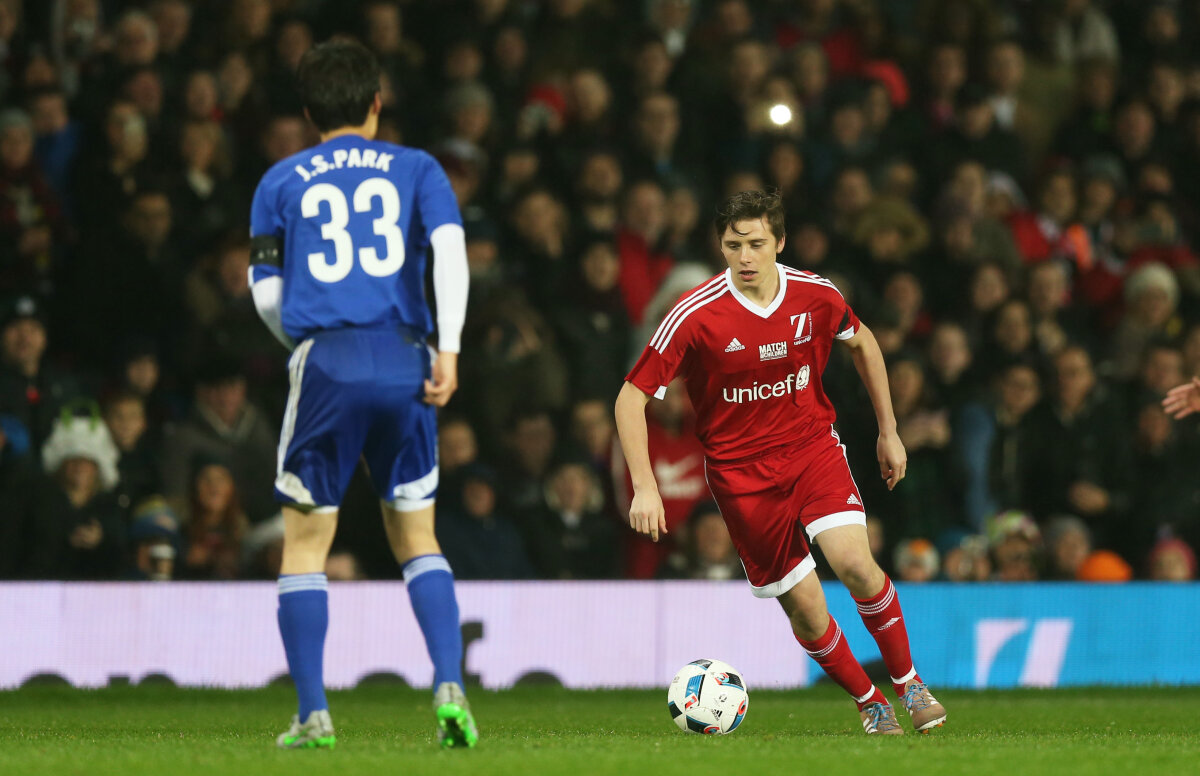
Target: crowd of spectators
{"points": [[1005, 190]]}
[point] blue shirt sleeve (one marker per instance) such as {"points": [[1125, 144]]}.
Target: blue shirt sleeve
{"points": [[435, 198], [265, 218]]}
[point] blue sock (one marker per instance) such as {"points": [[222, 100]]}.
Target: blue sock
{"points": [[303, 620], [431, 588]]}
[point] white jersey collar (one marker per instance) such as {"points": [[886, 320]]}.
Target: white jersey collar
{"points": [[761, 312]]}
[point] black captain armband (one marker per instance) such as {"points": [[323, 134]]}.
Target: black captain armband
{"points": [[266, 250]]}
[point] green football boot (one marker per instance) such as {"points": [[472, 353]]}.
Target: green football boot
{"points": [[456, 724], [316, 732]]}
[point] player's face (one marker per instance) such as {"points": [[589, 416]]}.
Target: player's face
{"points": [[750, 251]]}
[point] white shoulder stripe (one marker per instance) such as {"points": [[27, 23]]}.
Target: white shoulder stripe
{"points": [[693, 307], [667, 319], [681, 312], [814, 281], [680, 305], [812, 277]]}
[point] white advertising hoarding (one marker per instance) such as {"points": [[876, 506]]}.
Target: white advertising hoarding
{"points": [[225, 635], [595, 634]]}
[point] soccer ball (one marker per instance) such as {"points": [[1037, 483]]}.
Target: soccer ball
{"points": [[708, 696]]}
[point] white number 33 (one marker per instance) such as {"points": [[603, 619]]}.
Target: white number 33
{"points": [[386, 226]]}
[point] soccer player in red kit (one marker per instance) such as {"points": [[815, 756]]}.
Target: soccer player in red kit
{"points": [[751, 345]]}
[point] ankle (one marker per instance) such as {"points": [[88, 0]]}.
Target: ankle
{"points": [[875, 696]]}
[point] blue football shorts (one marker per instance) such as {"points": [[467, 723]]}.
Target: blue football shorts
{"points": [[358, 392]]}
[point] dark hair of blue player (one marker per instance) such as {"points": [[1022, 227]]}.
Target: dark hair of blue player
{"points": [[751, 206], [338, 81]]}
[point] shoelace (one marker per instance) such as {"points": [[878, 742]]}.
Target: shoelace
{"points": [[880, 719], [917, 698]]}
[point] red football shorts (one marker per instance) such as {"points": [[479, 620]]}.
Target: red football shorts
{"points": [[766, 500]]}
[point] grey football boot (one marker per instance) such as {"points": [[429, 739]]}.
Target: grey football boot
{"points": [[456, 724], [316, 732]]}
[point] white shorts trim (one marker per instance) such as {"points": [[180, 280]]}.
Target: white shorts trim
{"points": [[304, 504], [296, 379], [410, 504], [290, 485], [776, 589], [417, 490], [836, 520], [286, 482], [418, 494]]}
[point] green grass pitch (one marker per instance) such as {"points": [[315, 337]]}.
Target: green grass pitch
{"points": [[541, 730]]}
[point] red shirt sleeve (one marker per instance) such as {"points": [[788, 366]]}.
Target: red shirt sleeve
{"points": [[844, 322], [660, 362]]}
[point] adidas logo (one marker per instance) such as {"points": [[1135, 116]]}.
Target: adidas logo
{"points": [[734, 345], [854, 500], [887, 624]]}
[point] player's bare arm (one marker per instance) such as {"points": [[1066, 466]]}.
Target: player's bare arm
{"points": [[646, 513], [1183, 400], [868, 360]]}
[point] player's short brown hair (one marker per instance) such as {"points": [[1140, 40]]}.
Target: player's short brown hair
{"points": [[751, 206]]}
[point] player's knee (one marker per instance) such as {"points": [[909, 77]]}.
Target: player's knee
{"points": [[806, 612], [309, 529], [410, 538], [808, 623], [860, 574], [414, 539]]}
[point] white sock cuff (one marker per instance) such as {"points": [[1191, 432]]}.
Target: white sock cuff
{"points": [[425, 564], [866, 697], [298, 583], [883, 603], [906, 677], [819, 653]]}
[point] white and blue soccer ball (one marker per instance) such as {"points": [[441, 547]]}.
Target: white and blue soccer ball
{"points": [[708, 696]]}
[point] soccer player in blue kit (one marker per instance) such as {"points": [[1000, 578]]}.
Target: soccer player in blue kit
{"points": [[339, 234]]}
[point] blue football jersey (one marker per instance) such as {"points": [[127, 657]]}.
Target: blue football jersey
{"points": [[354, 216]]}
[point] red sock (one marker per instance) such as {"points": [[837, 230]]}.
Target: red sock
{"points": [[883, 618], [833, 654]]}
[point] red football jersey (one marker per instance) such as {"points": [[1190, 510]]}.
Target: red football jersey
{"points": [[753, 373]]}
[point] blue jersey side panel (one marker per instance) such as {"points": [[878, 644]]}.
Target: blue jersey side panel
{"points": [[344, 209]]}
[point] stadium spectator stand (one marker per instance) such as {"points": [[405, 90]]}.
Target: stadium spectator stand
{"points": [[1007, 193]]}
